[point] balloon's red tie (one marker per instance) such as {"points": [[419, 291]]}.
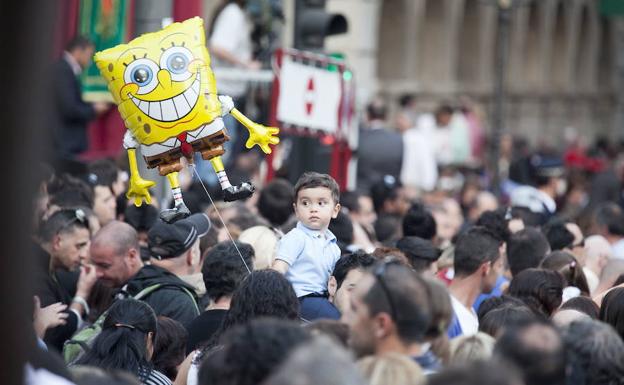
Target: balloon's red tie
{"points": [[185, 147]]}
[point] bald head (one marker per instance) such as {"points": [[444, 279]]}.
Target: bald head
{"points": [[120, 235], [115, 253]]}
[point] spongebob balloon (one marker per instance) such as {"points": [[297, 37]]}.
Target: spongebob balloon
{"points": [[166, 94]]}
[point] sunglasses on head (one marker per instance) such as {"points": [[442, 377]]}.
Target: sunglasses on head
{"points": [[79, 216], [379, 273]]}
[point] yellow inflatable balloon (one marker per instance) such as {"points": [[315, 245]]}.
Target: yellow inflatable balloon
{"points": [[167, 96]]}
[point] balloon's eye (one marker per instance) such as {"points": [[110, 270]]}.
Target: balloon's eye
{"points": [[176, 60], [142, 75], [142, 72], [177, 63]]}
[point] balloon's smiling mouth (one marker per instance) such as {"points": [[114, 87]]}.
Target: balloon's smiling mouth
{"points": [[172, 109]]}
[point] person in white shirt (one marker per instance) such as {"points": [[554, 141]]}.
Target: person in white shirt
{"points": [[230, 46], [477, 264], [419, 169]]}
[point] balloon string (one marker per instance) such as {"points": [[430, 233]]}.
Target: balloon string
{"points": [[226, 229], [220, 217]]}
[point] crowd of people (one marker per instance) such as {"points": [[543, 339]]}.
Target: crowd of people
{"points": [[421, 274], [307, 284]]}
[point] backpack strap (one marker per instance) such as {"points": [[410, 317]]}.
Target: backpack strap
{"points": [[147, 291], [85, 347], [150, 289], [190, 294]]}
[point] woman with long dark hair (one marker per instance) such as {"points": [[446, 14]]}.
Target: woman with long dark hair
{"points": [[263, 293], [126, 342]]}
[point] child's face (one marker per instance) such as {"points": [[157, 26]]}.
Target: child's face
{"points": [[315, 207]]}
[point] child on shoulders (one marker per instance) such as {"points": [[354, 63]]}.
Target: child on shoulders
{"points": [[307, 254]]}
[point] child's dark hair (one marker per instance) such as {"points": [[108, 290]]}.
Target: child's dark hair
{"points": [[312, 179]]}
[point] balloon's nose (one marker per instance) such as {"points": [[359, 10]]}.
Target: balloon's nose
{"points": [[164, 79]]}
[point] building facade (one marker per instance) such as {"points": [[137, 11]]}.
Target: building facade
{"points": [[560, 64]]}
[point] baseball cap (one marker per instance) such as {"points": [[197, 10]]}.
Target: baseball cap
{"points": [[169, 240]]}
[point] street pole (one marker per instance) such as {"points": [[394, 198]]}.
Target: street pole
{"points": [[502, 46], [149, 15]]}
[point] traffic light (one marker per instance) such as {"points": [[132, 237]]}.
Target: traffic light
{"points": [[313, 24]]}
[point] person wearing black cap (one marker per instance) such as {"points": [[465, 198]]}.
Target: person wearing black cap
{"points": [[175, 248], [421, 253], [115, 254], [547, 174]]}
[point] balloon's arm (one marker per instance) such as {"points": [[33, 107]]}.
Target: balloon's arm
{"points": [[138, 189], [258, 134]]}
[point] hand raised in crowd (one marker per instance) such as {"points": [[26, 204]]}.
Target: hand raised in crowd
{"points": [[48, 317], [86, 281]]}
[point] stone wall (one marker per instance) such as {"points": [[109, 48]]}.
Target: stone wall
{"points": [[560, 63]]}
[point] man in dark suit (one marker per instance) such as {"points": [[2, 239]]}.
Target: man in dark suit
{"points": [[380, 150], [71, 113]]}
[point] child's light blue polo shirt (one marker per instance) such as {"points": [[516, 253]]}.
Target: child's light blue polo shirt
{"points": [[311, 258]]}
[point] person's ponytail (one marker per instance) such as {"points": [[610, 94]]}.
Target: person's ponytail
{"points": [[122, 343]]}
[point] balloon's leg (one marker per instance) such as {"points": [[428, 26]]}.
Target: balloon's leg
{"points": [[180, 210], [230, 193]]}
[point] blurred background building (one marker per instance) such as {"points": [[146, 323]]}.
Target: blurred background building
{"points": [[561, 74], [561, 62]]}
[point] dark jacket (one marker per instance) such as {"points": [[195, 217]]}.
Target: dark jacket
{"points": [[203, 328], [171, 299], [380, 152], [71, 113], [49, 291]]}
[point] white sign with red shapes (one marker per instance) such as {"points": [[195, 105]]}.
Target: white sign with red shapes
{"points": [[309, 96]]}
